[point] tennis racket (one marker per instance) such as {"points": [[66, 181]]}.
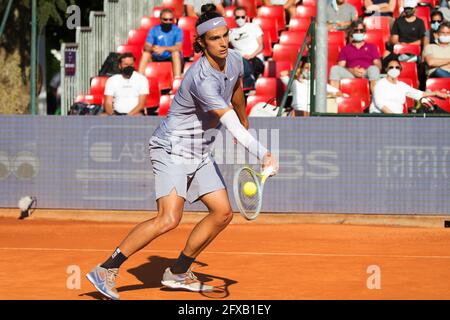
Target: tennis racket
{"points": [[249, 204]]}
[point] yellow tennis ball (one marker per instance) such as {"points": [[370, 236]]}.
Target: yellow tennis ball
{"points": [[250, 189]]}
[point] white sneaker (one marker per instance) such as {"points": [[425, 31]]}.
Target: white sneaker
{"points": [[186, 281]]}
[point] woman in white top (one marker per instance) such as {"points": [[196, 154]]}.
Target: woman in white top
{"points": [[390, 94]]}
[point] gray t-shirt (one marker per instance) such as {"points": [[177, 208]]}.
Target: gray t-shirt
{"points": [[345, 13], [203, 89]]}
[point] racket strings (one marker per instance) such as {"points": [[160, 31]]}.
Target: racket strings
{"points": [[249, 203]]}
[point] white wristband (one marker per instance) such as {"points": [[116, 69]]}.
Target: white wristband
{"points": [[231, 121]]}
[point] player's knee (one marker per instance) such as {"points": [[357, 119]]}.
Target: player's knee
{"points": [[225, 217], [170, 221]]}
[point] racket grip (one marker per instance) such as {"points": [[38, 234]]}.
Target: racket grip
{"points": [[268, 171]]}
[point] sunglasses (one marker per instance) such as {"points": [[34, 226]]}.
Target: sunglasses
{"points": [[433, 21], [167, 19], [359, 30], [396, 67], [239, 17]]}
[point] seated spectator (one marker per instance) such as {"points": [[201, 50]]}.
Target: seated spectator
{"points": [[437, 56], [164, 43], [445, 9], [247, 39], [340, 15], [301, 98], [380, 7], [436, 19], [289, 6], [126, 93], [390, 94], [357, 59], [194, 7], [409, 29]]}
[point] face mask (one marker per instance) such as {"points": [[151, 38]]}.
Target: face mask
{"points": [[394, 73], [358, 37], [409, 12], [128, 71], [435, 25], [306, 75], [166, 27], [444, 39], [240, 22]]}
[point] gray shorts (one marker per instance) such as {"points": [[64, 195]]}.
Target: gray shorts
{"points": [[190, 180]]}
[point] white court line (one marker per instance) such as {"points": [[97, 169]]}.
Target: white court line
{"points": [[294, 254]]}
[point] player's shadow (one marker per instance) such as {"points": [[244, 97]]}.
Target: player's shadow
{"points": [[150, 275]]}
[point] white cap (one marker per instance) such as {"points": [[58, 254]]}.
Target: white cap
{"points": [[410, 4]]}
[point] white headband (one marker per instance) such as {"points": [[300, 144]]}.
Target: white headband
{"points": [[210, 24]]}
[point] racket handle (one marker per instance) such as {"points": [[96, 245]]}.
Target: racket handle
{"points": [[268, 171]]}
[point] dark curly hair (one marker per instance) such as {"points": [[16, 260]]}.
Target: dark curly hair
{"points": [[203, 18]]}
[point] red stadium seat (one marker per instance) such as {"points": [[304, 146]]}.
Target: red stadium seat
{"points": [[164, 105], [155, 93], [188, 46], [135, 50], [91, 99], [336, 37], [305, 12], [407, 48], [409, 70], [309, 3], [299, 23], [162, 71], [293, 37], [410, 103], [357, 87], [148, 23], [231, 22], [267, 51], [423, 12], [376, 37], [274, 68], [271, 87], [358, 4], [98, 85], [137, 37], [438, 84], [379, 23], [229, 11], [253, 100], [333, 52], [350, 105], [274, 12], [176, 85], [177, 5], [268, 25], [284, 52], [249, 5], [187, 23]]}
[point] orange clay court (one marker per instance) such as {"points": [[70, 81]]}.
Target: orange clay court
{"points": [[287, 261]]}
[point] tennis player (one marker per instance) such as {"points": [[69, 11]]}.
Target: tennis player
{"points": [[209, 96]]}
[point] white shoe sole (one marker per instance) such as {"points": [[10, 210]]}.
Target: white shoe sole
{"points": [[91, 280], [177, 285]]}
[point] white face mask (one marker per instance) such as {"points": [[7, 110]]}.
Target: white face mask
{"points": [[444, 39], [394, 73], [240, 22]]}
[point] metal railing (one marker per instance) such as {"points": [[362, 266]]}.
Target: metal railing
{"points": [[106, 31]]}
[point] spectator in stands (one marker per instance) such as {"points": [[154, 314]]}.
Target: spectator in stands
{"points": [[357, 59], [445, 9], [164, 43], [380, 7], [289, 6], [437, 56], [436, 19], [247, 39], [194, 7], [390, 94], [408, 28], [126, 93], [301, 98], [340, 15]]}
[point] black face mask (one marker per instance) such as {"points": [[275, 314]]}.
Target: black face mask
{"points": [[166, 27], [409, 12], [128, 71]]}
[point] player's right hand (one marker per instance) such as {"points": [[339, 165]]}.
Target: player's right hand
{"points": [[270, 161]]}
